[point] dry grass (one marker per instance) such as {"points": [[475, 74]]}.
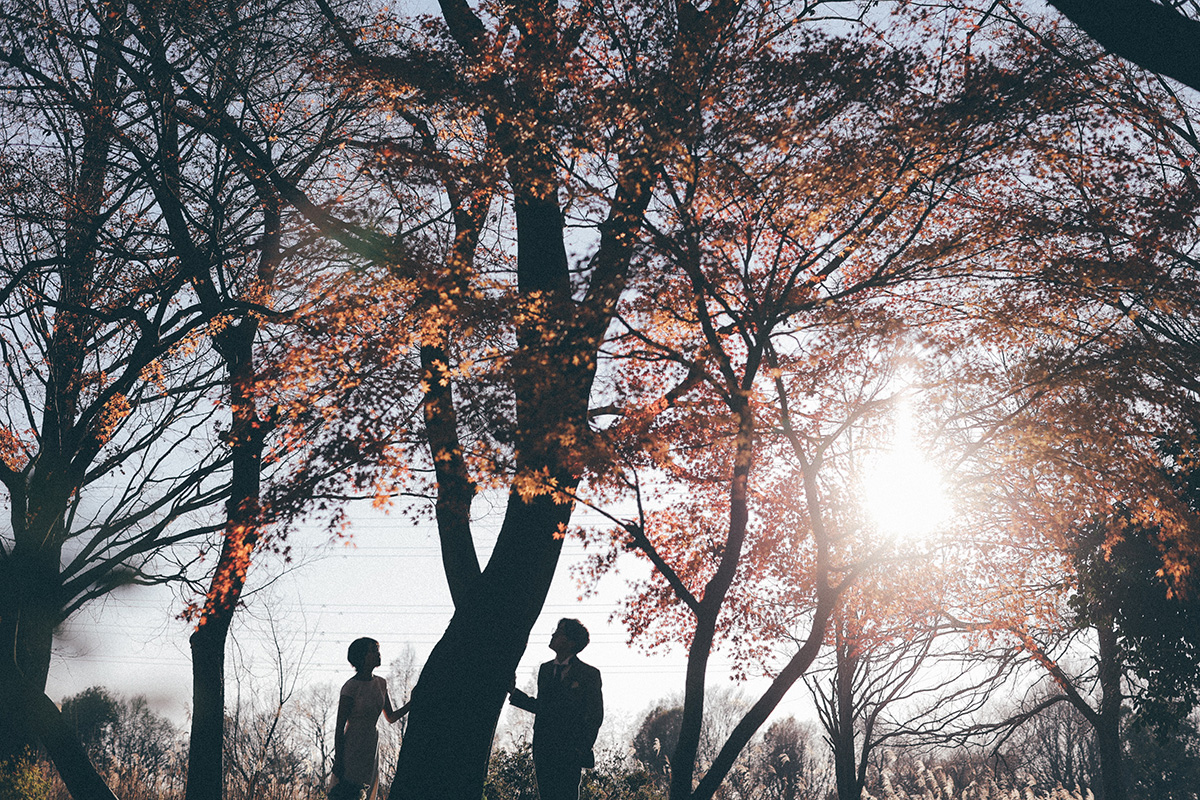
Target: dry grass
{"points": [[935, 784]]}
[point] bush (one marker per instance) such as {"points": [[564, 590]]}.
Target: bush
{"points": [[511, 777], [24, 779], [619, 778]]}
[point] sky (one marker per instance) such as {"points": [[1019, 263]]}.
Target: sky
{"points": [[385, 582]]}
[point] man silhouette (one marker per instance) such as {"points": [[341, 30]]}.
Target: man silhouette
{"points": [[569, 709]]}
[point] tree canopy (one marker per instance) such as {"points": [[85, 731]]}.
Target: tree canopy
{"points": [[703, 268]]}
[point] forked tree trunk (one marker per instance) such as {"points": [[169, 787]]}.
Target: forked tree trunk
{"points": [[826, 599], [462, 688], [464, 683]]}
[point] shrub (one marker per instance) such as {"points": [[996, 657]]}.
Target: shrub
{"points": [[24, 779]]}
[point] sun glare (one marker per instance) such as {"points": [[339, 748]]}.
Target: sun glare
{"points": [[904, 493]]}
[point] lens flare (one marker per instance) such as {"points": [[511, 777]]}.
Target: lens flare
{"points": [[904, 493]]}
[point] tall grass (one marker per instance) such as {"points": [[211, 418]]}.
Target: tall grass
{"points": [[919, 783]]}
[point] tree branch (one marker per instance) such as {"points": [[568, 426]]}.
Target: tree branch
{"points": [[1152, 35]]}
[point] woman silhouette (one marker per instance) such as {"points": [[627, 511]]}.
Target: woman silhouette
{"points": [[355, 740]]}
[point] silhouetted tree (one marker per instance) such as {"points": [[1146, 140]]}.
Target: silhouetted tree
{"points": [[1158, 36]]}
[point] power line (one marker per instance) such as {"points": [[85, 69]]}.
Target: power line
{"points": [[614, 668], [389, 608]]}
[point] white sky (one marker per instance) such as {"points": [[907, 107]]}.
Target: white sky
{"points": [[387, 584]]}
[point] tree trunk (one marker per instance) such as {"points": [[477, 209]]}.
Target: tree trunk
{"points": [[31, 605], [29, 611], [691, 724], [1108, 721], [66, 751], [205, 748], [845, 768], [683, 761], [205, 778], [463, 685]]}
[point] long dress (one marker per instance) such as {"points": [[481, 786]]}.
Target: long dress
{"points": [[361, 754]]}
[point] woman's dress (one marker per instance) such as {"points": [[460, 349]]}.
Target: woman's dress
{"points": [[361, 755]]}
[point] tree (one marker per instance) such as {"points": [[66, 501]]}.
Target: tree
{"points": [[780, 322], [316, 709], [657, 736], [246, 255], [510, 774], [868, 676], [94, 714], [655, 740], [1057, 747], [790, 768], [529, 85], [174, 239], [96, 334], [1140, 374], [898, 671], [136, 749], [1143, 631], [403, 671], [1139, 634], [1158, 36], [1163, 763], [515, 90], [263, 744], [1121, 585], [147, 750]]}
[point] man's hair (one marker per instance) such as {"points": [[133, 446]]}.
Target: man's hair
{"points": [[356, 654], [573, 629]]}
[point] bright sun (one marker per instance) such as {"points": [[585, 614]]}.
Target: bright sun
{"points": [[903, 492]]}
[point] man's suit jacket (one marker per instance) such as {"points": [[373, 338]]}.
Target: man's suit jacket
{"points": [[569, 712]]}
